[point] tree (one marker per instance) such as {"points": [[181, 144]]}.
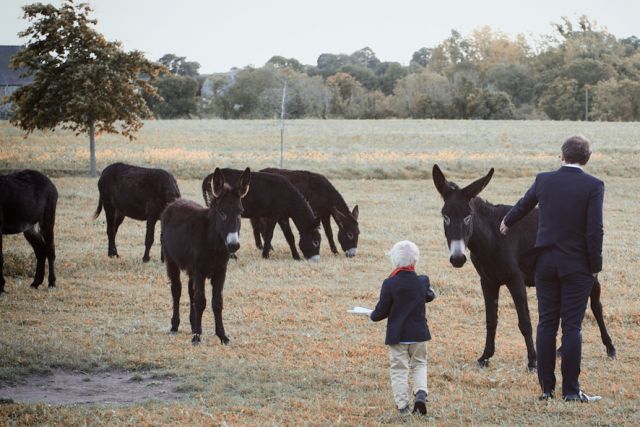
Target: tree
{"points": [[179, 65], [80, 80], [420, 58], [178, 97], [281, 62], [515, 79], [563, 100]]}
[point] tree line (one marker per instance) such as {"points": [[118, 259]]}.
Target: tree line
{"points": [[577, 72]]}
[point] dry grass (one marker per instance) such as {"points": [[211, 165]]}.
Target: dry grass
{"points": [[401, 149], [296, 356]]}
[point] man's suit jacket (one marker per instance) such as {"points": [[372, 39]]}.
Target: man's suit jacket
{"points": [[402, 299], [570, 221]]}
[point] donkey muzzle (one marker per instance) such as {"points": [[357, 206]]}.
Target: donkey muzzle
{"points": [[350, 253], [457, 258], [233, 242]]}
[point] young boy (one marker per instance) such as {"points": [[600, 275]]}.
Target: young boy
{"points": [[402, 300]]}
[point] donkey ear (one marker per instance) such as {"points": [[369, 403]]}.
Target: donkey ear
{"points": [[243, 183], [473, 189], [217, 183], [337, 215], [441, 183], [316, 222], [355, 212]]}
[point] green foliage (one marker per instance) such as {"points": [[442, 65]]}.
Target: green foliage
{"points": [[616, 101], [563, 100], [179, 65], [80, 80], [178, 97]]}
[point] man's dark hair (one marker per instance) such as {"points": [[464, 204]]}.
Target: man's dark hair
{"points": [[576, 150]]}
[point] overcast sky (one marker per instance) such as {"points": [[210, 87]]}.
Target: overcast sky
{"points": [[236, 33]]}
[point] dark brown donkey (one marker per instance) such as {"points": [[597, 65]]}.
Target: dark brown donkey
{"points": [[470, 222], [137, 192], [326, 202], [200, 240], [273, 197], [28, 205]]}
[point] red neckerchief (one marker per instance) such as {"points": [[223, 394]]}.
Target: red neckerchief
{"points": [[399, 269]]}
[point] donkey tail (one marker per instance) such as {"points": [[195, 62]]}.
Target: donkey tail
{"points": [[99, 208]]}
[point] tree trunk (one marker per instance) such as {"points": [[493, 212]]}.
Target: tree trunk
{"points": [[92, 149]]}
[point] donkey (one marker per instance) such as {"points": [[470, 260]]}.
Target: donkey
{"points": [[200, 240], [500, 260], [326, 202], [137, 192], [274, 198], [28, 202]]}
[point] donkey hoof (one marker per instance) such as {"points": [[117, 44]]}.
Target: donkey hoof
{"points": [[145, 259], [52, 285], [225, 341], [483, 363], [196, 339], [35, 285], [532, 369], [612, 354]]}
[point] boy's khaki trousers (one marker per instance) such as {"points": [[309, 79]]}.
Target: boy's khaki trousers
{"points": [[407, 360]]}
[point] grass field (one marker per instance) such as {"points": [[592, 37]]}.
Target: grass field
{"points": [[296, 356]]}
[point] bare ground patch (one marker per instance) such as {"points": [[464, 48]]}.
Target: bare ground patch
{"points": [[64, 387]]}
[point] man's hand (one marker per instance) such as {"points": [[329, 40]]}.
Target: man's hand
{"points": [[503, 228]]}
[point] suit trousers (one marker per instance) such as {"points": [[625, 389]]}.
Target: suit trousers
{"points": [[560, 299], [407, 360]]}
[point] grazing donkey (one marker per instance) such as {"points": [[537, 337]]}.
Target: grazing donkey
{"points": [[28, 205], [500, 260], [326, 202], [137, 192], [274, 198], [199, 240]]}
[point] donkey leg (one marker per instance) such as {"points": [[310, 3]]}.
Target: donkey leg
{"points": [[288, 234], [217, 283], [596, 308], [49, 246], [256, 227], [148, 240], [176, 290], [192, 310], [326, 224], [490, 292], [199, 302], [270, 224], [2, 281], [519, 294], [37, 243]]}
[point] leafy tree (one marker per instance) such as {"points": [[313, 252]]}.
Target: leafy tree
{"points": [[281, 62], [329, 64], [179, 65], [516, 80], [486, 105], [388, 75], [178, 97], [563, 100], [347, 96], [616, 101], [364, 75], [423, 95], [420, 58], [80, 80], [365, 57]]}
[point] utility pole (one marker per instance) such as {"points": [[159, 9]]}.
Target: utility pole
{"points": [[284, 96]]}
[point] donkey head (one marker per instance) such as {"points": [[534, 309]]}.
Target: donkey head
{"points": [[348, 230], [226, 206], [456, 212], [310, 241]]}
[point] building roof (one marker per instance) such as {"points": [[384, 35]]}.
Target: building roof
{"points": [[9, 76]]}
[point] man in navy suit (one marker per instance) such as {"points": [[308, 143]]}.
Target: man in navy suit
{"points": [[569, 256]]}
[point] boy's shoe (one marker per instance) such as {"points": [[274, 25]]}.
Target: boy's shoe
{"points": [[404, 411], [420, 403]]}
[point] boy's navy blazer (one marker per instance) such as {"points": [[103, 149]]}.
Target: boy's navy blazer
{"points": [[402, 299], [570, 203]]}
